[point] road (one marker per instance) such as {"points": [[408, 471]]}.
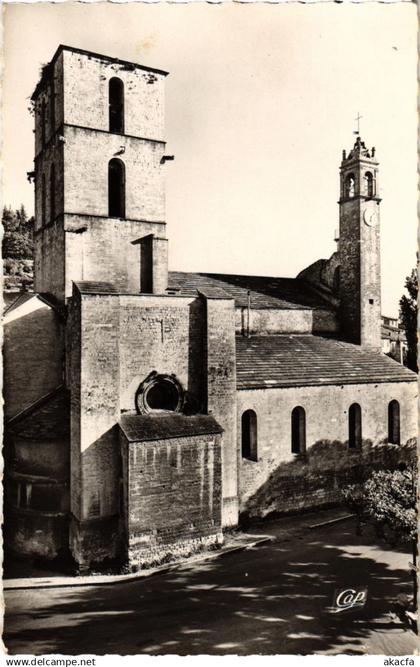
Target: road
{"points": [[271, 599]]}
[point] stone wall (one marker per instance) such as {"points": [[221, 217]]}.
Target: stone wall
{"points": [[172, 497], [29, 533], [271, 321], [350, 286], [87, 78], [220, 373], [49, 263], [280, 481], [86, 157], [32, 354], [370, 302], [94, 389], [163, 334], [53, 86], [360, 275], [53, 153], [115, 342]]}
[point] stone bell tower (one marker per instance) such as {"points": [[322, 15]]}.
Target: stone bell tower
{"points": [[99, 174], [359, 248]]}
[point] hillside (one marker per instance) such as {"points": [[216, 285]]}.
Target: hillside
{"points": [[17, 249]]}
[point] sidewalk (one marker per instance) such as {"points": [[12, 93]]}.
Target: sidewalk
{"points": [[234, 541]]}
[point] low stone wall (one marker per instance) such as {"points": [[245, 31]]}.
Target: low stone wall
{"points": [[317, 478], [171, 497], [30, 534]]}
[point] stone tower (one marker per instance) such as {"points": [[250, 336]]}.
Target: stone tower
{"points": [[359, 247], [99, 181]]}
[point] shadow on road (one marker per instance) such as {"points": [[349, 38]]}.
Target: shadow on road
{"points": [[268, 600]]}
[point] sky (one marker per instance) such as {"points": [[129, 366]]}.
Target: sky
{"points": [[260, 102]]}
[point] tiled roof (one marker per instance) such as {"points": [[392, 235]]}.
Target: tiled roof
{"points": [[20, 298], [91, 287], [165, 426], [392, 333], [13, 300], [280, 293], [305, 360], [47, 419]]}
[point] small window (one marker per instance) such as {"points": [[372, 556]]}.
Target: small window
{"points": [[350, 186], [116, 189], [369, 184], [249, 435], [116, 105], [355, 426], [394, 423], [298, 430], [52, 193]]}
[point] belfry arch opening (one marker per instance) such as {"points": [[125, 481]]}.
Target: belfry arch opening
{"points": [[116, 188], [350, 186], [116, 105], [369, 184]]}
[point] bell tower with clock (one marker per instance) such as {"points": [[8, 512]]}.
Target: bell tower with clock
{"points": [[359, 247]]}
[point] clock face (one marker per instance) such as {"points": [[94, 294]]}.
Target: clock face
{"points": [[370, 216]]}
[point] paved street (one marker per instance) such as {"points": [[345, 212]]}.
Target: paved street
{"points": [[270, 599]]}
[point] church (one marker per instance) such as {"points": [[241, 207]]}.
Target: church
{"points": [[148, 411]]}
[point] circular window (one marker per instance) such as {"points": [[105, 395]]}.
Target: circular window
{"points": [[160, 393]]}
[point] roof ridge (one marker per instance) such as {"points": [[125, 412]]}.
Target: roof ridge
{"points": [[36, 404]]}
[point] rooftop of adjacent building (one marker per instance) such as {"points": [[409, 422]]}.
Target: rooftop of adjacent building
{"points": [[263, 292]]}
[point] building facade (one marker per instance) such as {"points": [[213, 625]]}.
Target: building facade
{"points": [[148, 410]]}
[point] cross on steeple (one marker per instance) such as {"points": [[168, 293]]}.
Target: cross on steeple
{"points": [[357, 119]]}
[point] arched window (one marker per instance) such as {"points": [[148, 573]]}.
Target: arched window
{"points": [[355, 426], [116, 105], [52, 192], [249, 435], [43, 201], [350, 185], [394, 422], [116, 189], [298, 430], [369, 184]]}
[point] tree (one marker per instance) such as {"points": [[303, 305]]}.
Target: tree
{"points": [[17, 248], [388, 499], [408, 317], [18, 234]]}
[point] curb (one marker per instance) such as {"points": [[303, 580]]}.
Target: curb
{"points": [[106, 579], [331, 521]]}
